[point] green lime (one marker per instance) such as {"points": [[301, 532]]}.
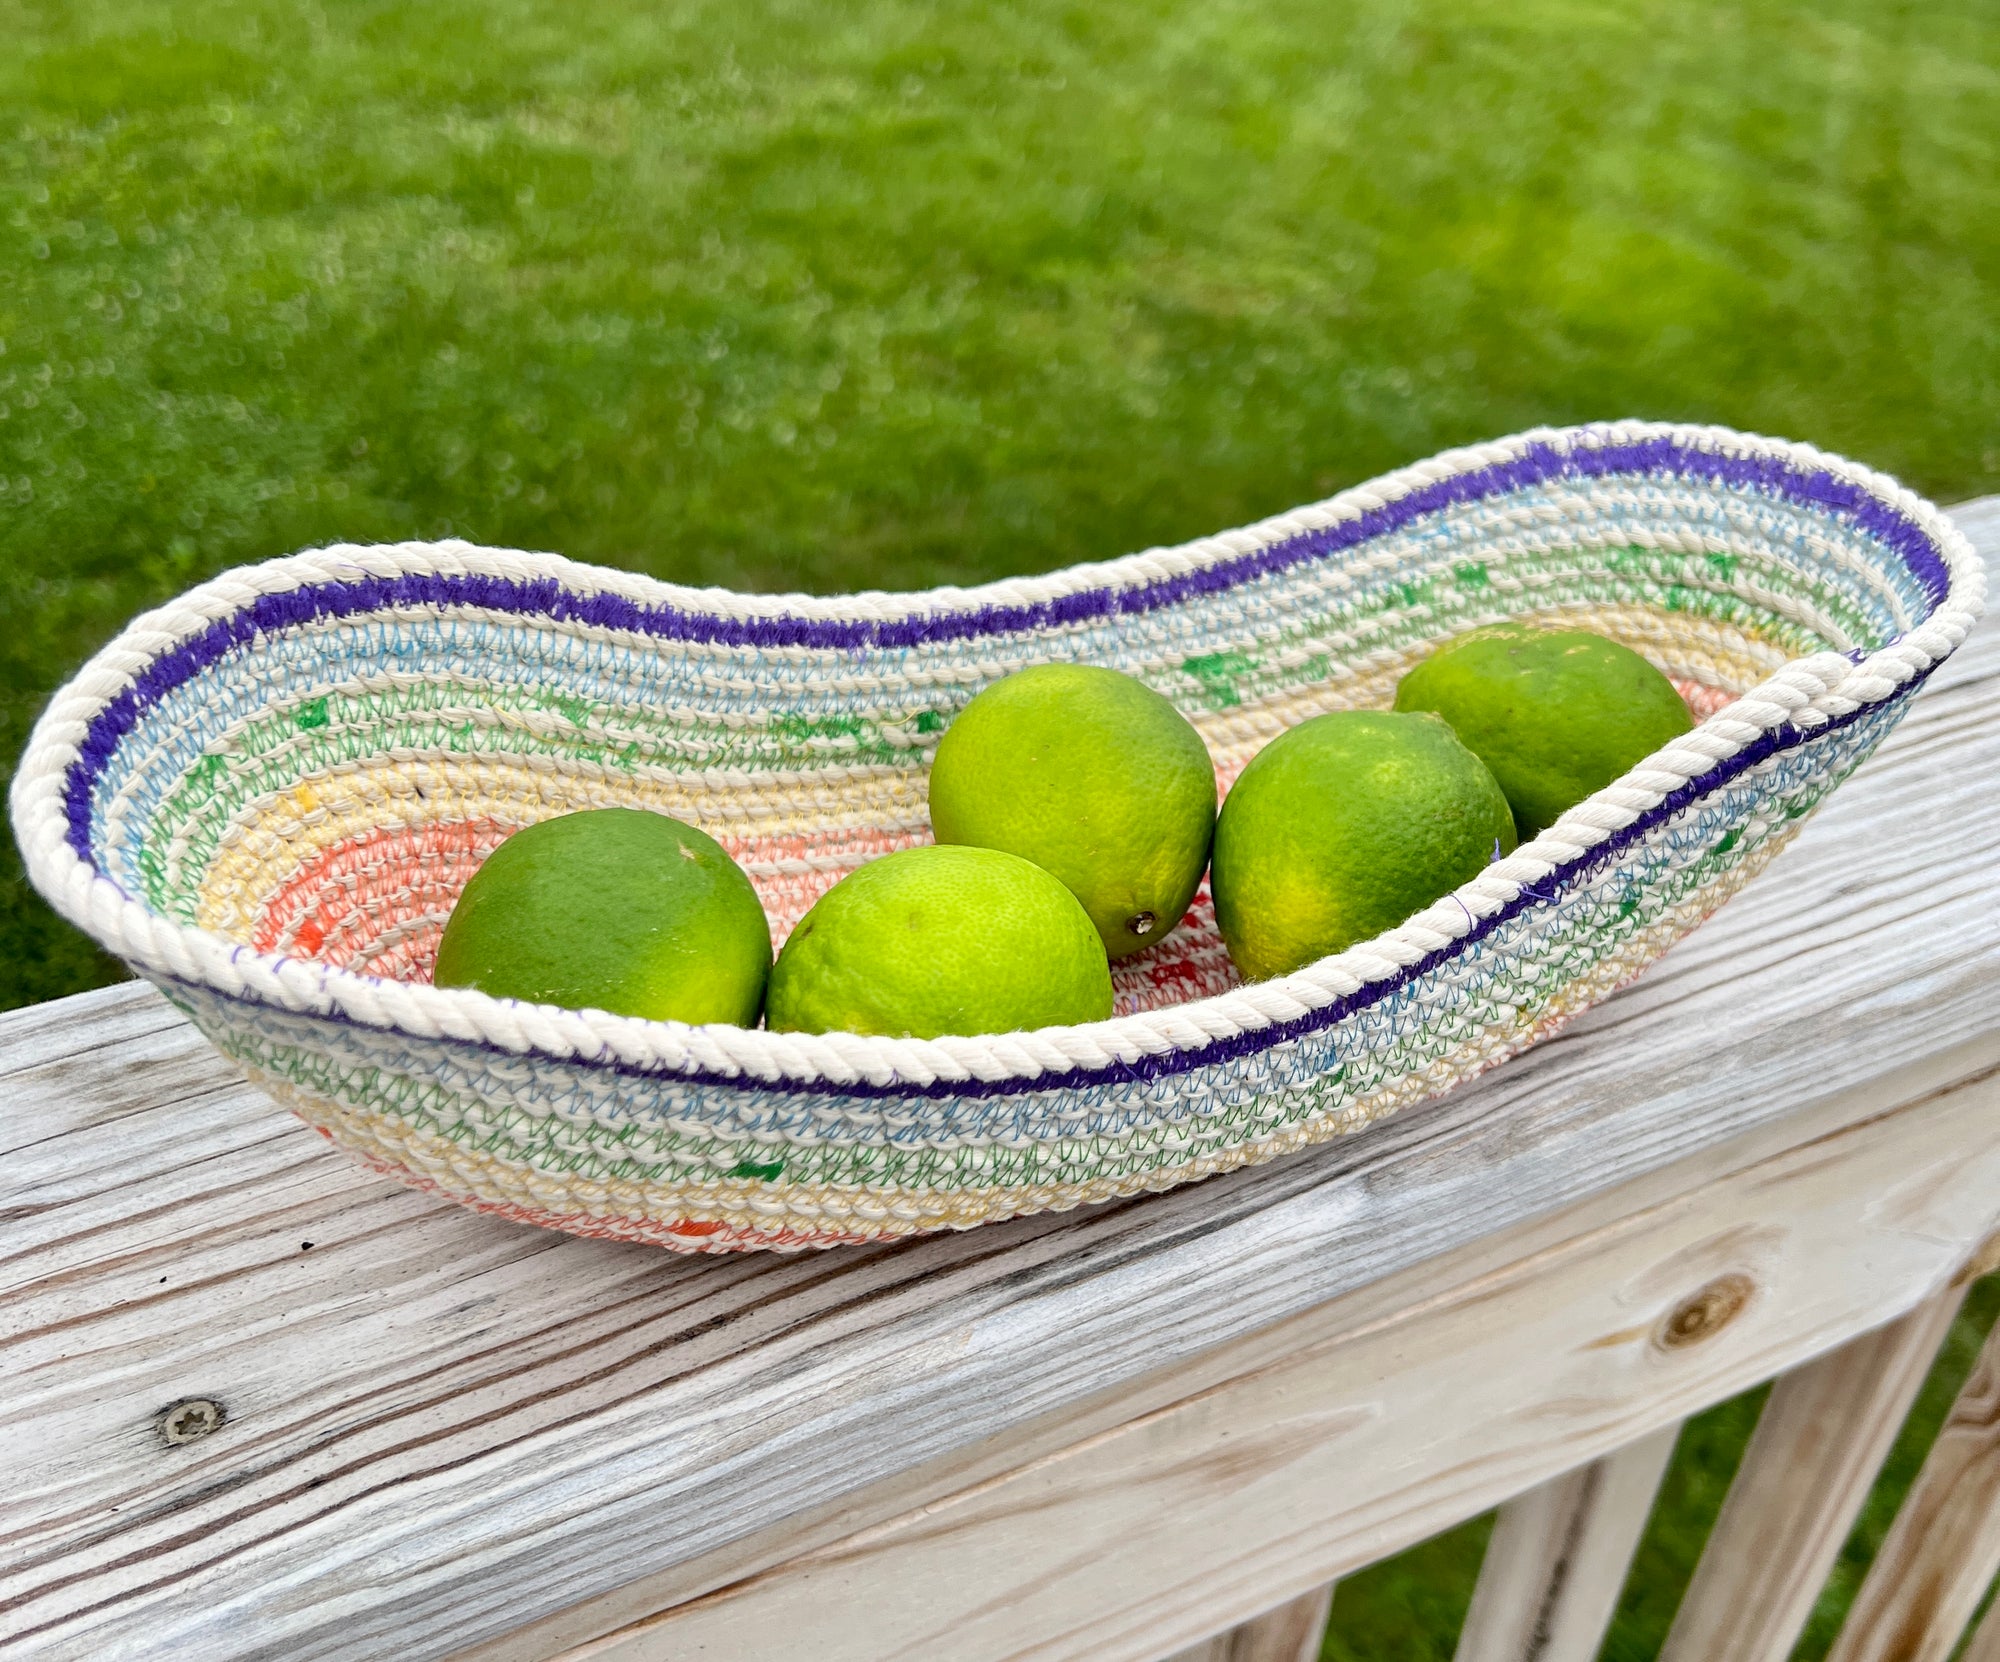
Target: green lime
{"points": [[1342, 828], [1555, 713], [614, 909], [941, 940], [1093, 776]]}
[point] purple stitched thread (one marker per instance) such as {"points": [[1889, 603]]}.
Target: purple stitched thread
{"points": [[1537, 464], [1149, 1068]]}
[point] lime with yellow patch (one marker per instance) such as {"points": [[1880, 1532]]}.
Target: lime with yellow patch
{"points": [[941, 940], [1555, 713], [612, 909], [1342, 828], [1094, 777]]}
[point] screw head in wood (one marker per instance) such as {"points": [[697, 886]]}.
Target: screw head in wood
{"points": [[189, 1419]]}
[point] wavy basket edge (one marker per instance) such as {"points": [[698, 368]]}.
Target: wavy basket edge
{"points": [[1804, 697]]}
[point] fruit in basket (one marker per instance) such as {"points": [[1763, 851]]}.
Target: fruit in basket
{"points": [[1555, 713], [612, 909], [1093, 776], [941, 940], [1343, 827]]}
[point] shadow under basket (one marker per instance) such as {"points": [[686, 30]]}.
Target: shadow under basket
{"points": [[266, 796]]}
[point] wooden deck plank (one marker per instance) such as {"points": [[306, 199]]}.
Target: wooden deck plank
{"points": [[1984, 1645], [1290, 1633], [442, 1426], [1557, 1560], [1499, 1369], [1944, 1547], [1823, 1435]]}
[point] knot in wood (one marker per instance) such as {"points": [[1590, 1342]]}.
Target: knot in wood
{"points": [[188, 1419], [1705, 1313]]}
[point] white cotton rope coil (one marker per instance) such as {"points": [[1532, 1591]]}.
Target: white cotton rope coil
{"points": [[153, 801]]}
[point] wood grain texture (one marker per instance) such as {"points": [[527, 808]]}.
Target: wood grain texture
{"points": [[1944, 1547], [1492, 1377], [1984, 1645], [1825, 1431], [1558, 1556], [442, 1429], [1291, 1633]]}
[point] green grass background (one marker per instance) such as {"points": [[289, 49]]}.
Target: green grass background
{"points": [[875, 294]]}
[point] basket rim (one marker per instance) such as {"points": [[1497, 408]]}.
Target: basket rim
{"points": [[1803, 698]]}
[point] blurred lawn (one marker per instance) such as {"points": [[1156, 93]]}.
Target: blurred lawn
{"points": [[773, 295], [778, 294]]}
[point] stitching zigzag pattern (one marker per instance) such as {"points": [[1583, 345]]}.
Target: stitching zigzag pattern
{"points": [[267, 795]]}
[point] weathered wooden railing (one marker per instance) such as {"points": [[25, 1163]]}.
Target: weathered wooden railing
{"points": [[262, 1404]]}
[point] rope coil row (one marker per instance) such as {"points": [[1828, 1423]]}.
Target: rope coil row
{"points": [[1809, 550]]}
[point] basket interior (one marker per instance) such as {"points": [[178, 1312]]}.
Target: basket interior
{"points": [[323, 778]]}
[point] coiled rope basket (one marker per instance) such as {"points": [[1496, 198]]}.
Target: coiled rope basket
{"points": [[266, 796]]}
